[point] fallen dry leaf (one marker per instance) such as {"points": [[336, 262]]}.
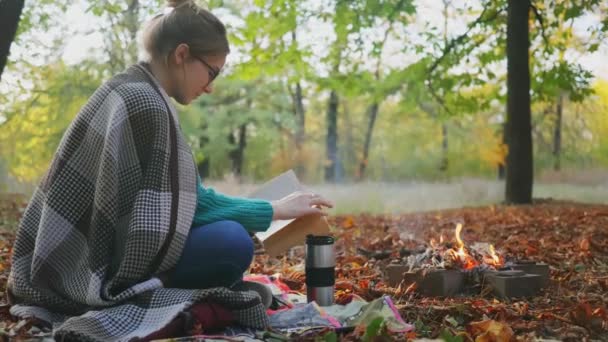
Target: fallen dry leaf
{"points": [[491, 331]]}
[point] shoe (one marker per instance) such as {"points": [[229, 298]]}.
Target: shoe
{"points": [[261, 289]]}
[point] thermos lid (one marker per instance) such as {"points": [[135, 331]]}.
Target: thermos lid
{"points": [[319, 240]]}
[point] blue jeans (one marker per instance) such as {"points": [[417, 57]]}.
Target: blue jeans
{"points": [[214, 255]]}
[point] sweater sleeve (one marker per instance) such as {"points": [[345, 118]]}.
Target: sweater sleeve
{"points": [[254, 214]]}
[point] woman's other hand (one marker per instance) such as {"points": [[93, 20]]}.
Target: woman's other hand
{"points": [[299, 203]]}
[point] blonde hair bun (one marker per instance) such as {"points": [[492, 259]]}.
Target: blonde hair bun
{"points": [[188, 24]]}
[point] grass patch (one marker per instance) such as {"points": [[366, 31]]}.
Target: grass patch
{"points": [[404, 197]]}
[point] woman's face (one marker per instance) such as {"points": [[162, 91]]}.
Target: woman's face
{"points": [[193, 75]]}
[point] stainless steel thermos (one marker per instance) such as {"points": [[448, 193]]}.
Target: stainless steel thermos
{"points": [[320, 269]]}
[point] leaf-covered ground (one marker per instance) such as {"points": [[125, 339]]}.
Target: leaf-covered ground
{"points": [[572, 238]]}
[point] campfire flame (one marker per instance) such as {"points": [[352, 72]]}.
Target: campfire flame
{"points": [[493, 259], [457, 256], [457, 233], [462, 256], [434, 243], [493, 254]]}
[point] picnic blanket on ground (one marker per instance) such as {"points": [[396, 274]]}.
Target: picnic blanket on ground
{"points": [[111, 214], [295, 318], [294, 312]]}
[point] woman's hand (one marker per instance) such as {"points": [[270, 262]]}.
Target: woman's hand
{"points": [[299, 204]]}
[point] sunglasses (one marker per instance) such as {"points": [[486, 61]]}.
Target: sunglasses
{"points": [[213, 73]]}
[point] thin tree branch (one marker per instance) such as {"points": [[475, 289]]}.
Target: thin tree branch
{"points": [[379, 61], [448, 48], [293, 98], [539, 18], [391, 20]]}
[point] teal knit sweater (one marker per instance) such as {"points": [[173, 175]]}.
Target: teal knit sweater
{"points": [[254, 214]]}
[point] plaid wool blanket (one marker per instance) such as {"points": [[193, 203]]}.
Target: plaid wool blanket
{"points": [[112, 213]]}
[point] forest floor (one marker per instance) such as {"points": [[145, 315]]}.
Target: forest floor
{"points": [[572, 238]]}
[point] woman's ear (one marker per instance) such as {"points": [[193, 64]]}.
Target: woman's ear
{"points": [[181, 53]]}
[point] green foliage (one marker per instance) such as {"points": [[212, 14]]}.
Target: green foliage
{"points": [[262, 107], [40, 15], [421, 329], [485, 42], [447, 336], [562, 77], [373, 329], [460, 85], [122, 20], [269, 39], [34, 126], [330, 337]]}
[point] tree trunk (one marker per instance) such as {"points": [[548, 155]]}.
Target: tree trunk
{"points": [[300, 116], [443, 167], [520, 171], [203, 168], [372, 113], [501, 171], [502, 165], [10, 13], [300, 128], [239, 151], [557, 134], [332, 167], [299, 113]]}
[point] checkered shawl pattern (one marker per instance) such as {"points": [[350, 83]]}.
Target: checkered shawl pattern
{"points": [[113, 211]]}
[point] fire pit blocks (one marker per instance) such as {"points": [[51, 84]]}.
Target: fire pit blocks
{"points": [[443, 283], [513, 283], [430, 282], [532, 267], [394, 273], [440, 283]]}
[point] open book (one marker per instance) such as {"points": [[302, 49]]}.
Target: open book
{"points": [[284, 234]]}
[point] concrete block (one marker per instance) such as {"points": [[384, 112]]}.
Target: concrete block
{"points": [[440, 283], [435, 283], [509, 284], [532, 267], [393, 274]]}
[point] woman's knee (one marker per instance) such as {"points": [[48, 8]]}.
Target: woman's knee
{"points": [[215, 254], [237, 235], [224, 240], [234, 229]]}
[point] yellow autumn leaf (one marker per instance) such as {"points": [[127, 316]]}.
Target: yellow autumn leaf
{"points": [[491, 331]]}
